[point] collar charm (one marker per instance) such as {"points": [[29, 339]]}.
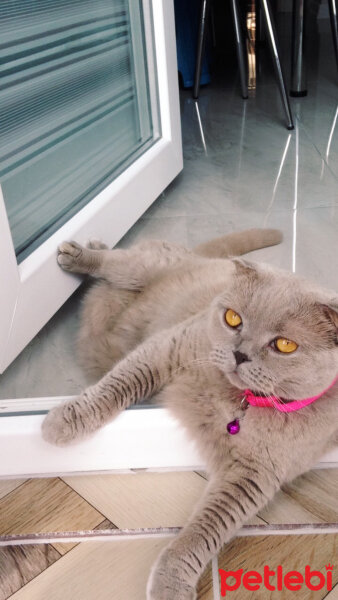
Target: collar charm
{"points": [[233, 427]]}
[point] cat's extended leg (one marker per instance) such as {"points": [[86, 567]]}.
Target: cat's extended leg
{"points": [[142, 373], [127, 269], [231, 498]]}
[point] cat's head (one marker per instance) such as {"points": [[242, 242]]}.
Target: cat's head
{"points": [[274, 333]]}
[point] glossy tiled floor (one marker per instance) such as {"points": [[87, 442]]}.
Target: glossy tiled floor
{"points": [[242, 169]]}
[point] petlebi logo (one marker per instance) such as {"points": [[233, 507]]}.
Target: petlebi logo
{"points": [[276, 580]]}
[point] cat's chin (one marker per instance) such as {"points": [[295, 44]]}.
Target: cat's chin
{"points": [[235, 380]]}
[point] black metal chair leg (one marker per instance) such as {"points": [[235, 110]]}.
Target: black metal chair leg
{"points": [[202, 30], [298, 54], [240, 48], [273, 42], [334, 26]]}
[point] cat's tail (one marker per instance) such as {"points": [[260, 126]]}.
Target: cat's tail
{"points": [[235, 244]]}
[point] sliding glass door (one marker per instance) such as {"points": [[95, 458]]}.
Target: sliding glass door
{"points": [[89, 137], [75, 107]]}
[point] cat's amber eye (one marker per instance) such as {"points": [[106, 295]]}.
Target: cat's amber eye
{"points": [[232, 318], [284, 345]]}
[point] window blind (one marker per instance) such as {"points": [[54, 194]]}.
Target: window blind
{"points": [[74, 106]]}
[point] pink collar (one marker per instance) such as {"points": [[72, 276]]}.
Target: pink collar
{"points": [[273, 401]]}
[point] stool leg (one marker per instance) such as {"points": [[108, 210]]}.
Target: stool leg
{"points": [[298, 66], [240, 48], [272, 37], [205, 7], [334, 25]]}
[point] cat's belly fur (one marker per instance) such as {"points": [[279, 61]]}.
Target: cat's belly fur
{"points": [[167, 301]]}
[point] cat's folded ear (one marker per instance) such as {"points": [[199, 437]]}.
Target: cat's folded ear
{"points": [[331, 312], [242, 264], [245, 267]]}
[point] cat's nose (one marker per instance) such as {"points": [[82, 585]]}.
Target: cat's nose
{"points": [[240, 357]]}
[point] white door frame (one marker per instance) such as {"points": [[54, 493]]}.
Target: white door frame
{"points": [[139, 438], [36, 288]]}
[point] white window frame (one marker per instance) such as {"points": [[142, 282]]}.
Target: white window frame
{"points": [[139, 438], [36, 288]]}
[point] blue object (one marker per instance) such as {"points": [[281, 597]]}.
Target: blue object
{"points": [[187, 15]]}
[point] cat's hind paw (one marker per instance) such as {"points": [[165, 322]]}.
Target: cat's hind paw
{"points": [[70, 255], [95, 244]]}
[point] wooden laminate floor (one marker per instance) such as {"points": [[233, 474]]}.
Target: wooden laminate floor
{"points": [[95, 570]]}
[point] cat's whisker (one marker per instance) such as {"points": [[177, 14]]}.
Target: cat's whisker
{"points": [[275, 400], [285, 403], [274, 403]]}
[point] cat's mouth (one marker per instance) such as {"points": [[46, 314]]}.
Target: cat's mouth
{"points": [[236, 380], [241, 380], [240, 383]]}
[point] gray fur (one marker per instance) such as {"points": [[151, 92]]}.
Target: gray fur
{"points": [[154, 322]]}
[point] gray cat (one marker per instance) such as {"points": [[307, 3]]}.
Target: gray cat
{"points": [[245, 356]]}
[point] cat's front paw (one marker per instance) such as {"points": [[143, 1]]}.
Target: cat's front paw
{"points": [[164, 589], [168, 581], [64, 424]]}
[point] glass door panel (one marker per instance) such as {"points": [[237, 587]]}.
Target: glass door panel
{"points": [[76, 107], [83, 153]]}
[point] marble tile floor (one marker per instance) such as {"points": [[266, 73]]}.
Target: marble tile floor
{"points": [[118, 570]]}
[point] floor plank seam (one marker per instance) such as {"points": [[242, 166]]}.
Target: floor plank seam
{"points": [[334, 590], [36, 576], [14, 490], [85, 500]]}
